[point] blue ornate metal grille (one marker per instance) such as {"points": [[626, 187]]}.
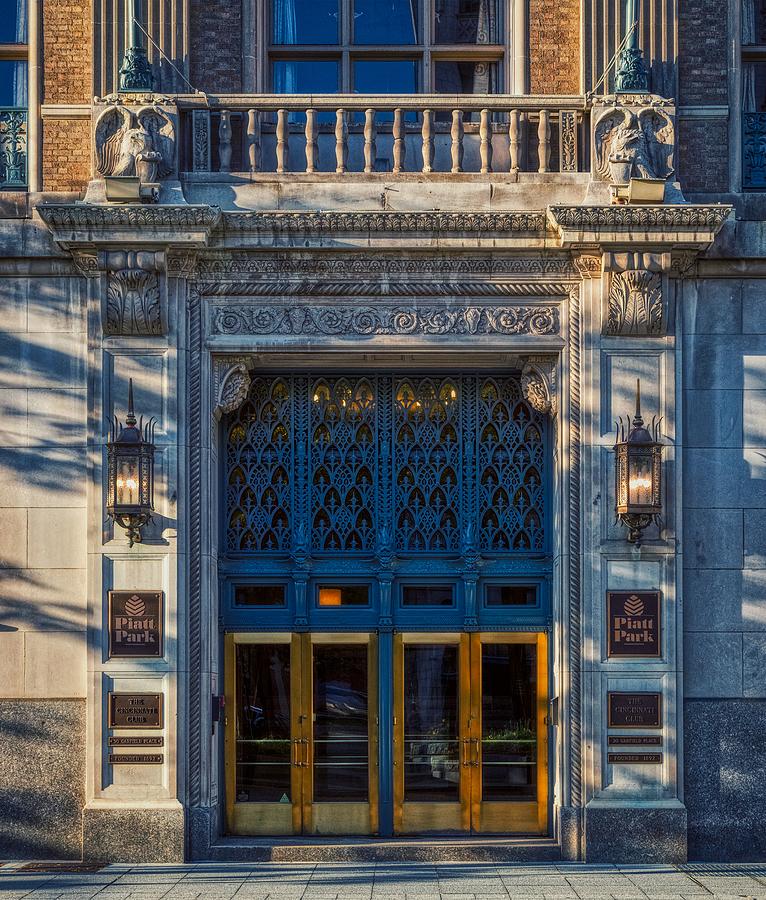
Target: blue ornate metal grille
{"points": [[418, 465]]}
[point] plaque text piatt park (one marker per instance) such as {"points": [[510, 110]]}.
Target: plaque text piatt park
{"points": [[641, 710], [634, 624], [135, 710], [135, 624]]}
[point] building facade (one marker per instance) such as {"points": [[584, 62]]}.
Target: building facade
{"points": [[379, 281]]}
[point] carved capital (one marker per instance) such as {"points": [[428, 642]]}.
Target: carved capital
{"points": [[538, 383], [634, 294], [135, 293]]}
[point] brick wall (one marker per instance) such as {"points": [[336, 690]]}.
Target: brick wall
{"points": [[67, 55], [703, 154], [702, 65], [216, 45], [66, 154], [554, 46]]}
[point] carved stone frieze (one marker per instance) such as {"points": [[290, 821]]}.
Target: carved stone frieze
{"points": [[614, 217], [390, 222], [367, 321], [134, 294], [634, 302], [312, 288], [133, 215], [538, 383]]}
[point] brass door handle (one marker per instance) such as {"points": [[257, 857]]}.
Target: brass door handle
{"points": [[305, 762], [466, 748], [296, 763], [477, 755]]}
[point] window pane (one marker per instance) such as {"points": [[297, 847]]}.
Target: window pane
{"points": [[13, 21], [13, 83], [426, 595], [453, 77], [260, 595], [305, 21], [344, 595], [306, 76], [466, 22], [510, 595], [376, 76], [386, 21]]}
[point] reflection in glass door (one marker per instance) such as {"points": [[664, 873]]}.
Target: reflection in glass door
{"points": [[301, 734], [470, 733]]}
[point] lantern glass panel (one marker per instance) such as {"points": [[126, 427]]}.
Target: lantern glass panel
{"points": [[640, 479], [127, 481]]}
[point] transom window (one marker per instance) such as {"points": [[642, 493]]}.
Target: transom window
{"points": [[386, 46], [405, 464]]}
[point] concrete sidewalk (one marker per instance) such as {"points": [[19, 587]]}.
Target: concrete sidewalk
{"points": [[384, 881]]}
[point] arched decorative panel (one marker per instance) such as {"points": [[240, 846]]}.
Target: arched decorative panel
{"points": [[430, 464]]}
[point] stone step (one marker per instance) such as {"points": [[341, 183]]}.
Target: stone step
{"points": [[421, 849]]}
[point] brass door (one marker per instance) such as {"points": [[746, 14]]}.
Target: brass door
{"points": [[301, 734], [470, 733]]}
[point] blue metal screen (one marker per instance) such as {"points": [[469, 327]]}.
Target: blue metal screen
{"points": [[425, 465]]}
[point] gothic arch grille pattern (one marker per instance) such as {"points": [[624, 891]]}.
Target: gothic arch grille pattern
{"points": [[431, 464]]}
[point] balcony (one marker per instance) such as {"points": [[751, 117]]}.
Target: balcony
{"points": [[13, 148], [392, 135]]}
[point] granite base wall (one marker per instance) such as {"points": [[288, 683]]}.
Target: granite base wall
{"points": [[134, 834], [634, 835], [42, 778], [725, 779]]}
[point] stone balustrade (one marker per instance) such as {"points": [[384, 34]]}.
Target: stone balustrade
{"points": [[392, 134]]}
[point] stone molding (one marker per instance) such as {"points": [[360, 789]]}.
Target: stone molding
{"points": [[625, 217], [434, 289], [539, 383], [366, 321]]}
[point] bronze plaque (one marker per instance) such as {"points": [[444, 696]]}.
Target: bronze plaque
{"points": [[135, 710], [633, 624], [635, 758], [638, 740], [136, 741], [640, 710], [136, 759], [135, 623]]}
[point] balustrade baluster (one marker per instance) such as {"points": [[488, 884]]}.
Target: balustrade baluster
{"points": [[312, 149], [400, 148], [544, 141], [514, 139], [457, 140], [428, 140], [370, 147], [224, 141], [253, 140], [485, 133], [282, 141], [341, 141]]}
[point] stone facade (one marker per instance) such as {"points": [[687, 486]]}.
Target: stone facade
{"points": [[482, 239]]}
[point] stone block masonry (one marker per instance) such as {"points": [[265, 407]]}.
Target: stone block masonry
{"points": [[554, 46], [216, 45], [66, 154], [67, 51]]}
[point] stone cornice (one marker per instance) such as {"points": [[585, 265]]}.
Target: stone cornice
{"points": [[78, 225], [687, 226]]}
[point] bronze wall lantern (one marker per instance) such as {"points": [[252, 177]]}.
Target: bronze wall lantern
{"points": [[638, 473], [130, 467]]}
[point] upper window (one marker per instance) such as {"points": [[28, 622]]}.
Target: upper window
{"points": [[386, 46], [13, 93]]}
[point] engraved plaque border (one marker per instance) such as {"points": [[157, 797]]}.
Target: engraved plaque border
{"points": [[160, 626]]}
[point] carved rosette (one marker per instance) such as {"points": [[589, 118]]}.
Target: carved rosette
{"points": [[634, 294], [135, 293], [538, 384]]}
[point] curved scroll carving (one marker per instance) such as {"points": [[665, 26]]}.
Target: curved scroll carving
{"points": [[234, 389], [538, 384]]}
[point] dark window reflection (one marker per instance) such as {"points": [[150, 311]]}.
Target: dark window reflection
{"points": [[385, 76], [263, 723], [453, 77], [509, 722], [427, 595], [466, 22], [13, 83], [431, 737], [341, 752], [13, 21], [306, 76], [305, 21], [386, 21], [510, 595], [260, 595]]}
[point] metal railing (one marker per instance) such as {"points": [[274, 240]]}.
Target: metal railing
{"points": [[13, 147], [395, 134]]}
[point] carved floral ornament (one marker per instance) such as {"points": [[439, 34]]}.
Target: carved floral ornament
{"points": [[134, 293], [634, 301]]}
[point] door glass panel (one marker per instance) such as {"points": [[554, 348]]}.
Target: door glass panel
{"points": [[263, 723], [341, 751], [431, 738], [509, 722]]}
